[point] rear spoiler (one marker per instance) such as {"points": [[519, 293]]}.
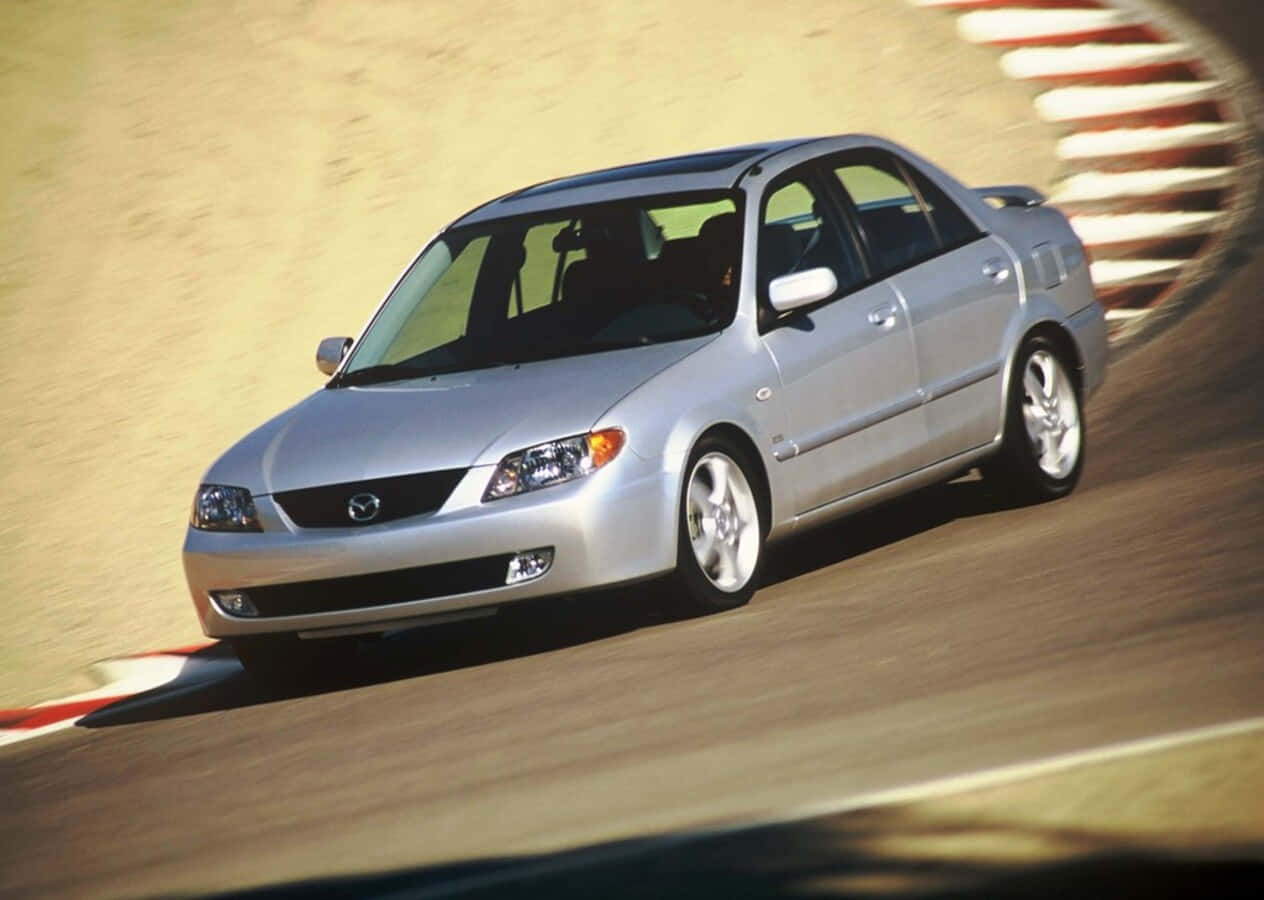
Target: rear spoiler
{"points": [[1011, 194]]}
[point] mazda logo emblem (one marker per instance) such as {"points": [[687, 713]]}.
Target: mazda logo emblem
{"points": [[364, 507]]}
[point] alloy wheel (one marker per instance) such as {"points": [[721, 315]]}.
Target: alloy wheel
{"points": [[723, 521], [1051, 415]]}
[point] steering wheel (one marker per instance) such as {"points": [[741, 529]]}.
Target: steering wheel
{"points": [[697, 302]]}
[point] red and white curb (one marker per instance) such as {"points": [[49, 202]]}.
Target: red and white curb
{"points": [[1156, 138], [123, 679]]}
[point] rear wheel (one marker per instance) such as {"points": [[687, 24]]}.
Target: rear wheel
{"points": [[283, 660], [1042, 454], [722, 526]]}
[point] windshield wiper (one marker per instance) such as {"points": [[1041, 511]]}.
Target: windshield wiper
{"points": [[377, 375], [385, 372]]}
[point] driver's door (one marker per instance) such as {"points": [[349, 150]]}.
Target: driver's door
{"points": [[847, 364]]}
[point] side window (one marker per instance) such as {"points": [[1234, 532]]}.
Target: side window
{"points": [[953, 225], [796, 235], [895, 226]]}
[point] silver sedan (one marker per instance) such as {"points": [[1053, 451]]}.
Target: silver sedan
{"points": [[652, 371]]}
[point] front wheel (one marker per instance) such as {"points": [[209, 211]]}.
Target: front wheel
{"points": [[722, 527], [1042, 453]]}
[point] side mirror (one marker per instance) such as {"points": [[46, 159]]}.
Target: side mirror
{"points": [[329, 353], [801, 288]]}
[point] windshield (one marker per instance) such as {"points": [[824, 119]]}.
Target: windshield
{"points": [[561, 283]]}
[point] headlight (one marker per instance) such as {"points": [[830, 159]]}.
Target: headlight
{"points": [[553, 463], [220, 508]]}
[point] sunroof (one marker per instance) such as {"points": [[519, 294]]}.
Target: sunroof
{"points": [[695, 163]]}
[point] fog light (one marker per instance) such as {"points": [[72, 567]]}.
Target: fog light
{"points": [[235, 603], [529, 564]]}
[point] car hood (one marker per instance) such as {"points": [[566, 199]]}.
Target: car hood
{"points": [[443, 422]]}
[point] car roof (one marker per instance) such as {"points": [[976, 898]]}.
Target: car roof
{"points": [[710, 170]]}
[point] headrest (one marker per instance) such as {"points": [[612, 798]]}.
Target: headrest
{"points": [[719, 228]]}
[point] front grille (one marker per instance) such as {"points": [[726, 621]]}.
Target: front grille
{"points": [[380, 588], [401, 496]]}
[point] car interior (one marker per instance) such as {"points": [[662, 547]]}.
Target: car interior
{"points": [[616, 281]]}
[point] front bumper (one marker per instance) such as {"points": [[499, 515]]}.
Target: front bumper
{"points": [[615, 525]]}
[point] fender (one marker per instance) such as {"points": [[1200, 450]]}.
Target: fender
{"points": [[1039, 309], [750, 371]]}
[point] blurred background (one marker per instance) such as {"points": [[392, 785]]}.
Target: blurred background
{"points": [[196, 193]]}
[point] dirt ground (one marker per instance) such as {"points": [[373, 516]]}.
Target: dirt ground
{"points": [[195, 193]]}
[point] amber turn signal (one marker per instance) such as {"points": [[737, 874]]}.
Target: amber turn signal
{"points": [[605, 445]]}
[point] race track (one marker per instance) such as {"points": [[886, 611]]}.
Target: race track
{"points": [[939, 635]]}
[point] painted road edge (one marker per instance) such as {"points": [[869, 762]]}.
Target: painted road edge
{"points": [[123, 678]]}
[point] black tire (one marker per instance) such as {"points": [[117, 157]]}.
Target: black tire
{"points": [[1024, 470], [285, 661], [738, 526]]}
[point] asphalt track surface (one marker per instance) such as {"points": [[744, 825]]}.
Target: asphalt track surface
{"points": [[942, 634]]}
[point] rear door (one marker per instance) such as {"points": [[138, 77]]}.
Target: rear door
{"points": [[959, 286], [848, 376]]}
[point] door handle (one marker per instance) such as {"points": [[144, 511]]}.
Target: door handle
{"points": [[883, 316], [996, 270]]}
